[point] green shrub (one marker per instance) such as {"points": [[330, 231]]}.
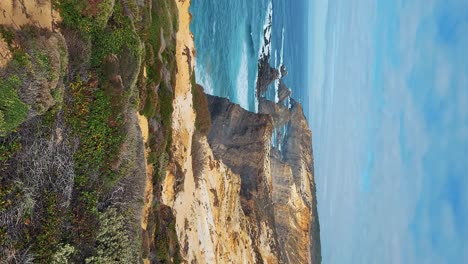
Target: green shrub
{"points": [[7, 35], [51, 221], [44, 65], [151, 102], [166, 108], [116, 38], [63, 254], [104, 13], [13, 110], [21, 60], [7, 149], [113, 244], [71, 12], [107, 38], [89, 115], [200, 105]]}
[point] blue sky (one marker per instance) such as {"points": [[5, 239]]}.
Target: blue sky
{"points": [[389, 112]]}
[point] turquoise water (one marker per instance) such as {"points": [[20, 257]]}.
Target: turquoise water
{"points": [[229, 38]]}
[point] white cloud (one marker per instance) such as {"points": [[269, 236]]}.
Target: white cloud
{"points": [[443, 76], [381, 219]]}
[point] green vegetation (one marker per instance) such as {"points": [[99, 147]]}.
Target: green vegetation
{"points": [[167, 246], [49, 233], [163, 22], [60, 173], [115, 38], [200, 104], [63, 254], [110, 31], [151, 102], [166, 109], [13, 111], [21, 60], [43, 62], [7, 150], [92, 119], [157, 31], [7, 35], [112, 244]]}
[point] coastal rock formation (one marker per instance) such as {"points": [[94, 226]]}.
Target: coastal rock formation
{"points": [[237, 198], [241, 140], [283, 70], [117, 156], [294, 193], [202, 191], [283, 92], [275, 182], [266, 75]]}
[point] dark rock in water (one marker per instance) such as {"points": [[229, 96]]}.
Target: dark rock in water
{"points": [[283, 70], [283, 92], [266, 76]]}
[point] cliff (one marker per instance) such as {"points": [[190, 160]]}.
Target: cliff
{"points": [[110, 152], [235, 197], [277, 184]]}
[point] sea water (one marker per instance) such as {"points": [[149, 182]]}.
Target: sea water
{"points": [[229, 40]]}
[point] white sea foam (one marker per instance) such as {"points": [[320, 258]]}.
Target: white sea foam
{"points": [[255, 94], [242, 79], [276, 80], [203, 78], [277, 90], [282, 47], [276, 58], [265, 48]]}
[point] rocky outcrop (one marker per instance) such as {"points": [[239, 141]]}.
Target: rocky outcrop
{"points": [[283, 70], [266, 75], [277, 182], [241, 140], [202, 192], [294, 194], [292, 174], [283, 92], [235, 197]]}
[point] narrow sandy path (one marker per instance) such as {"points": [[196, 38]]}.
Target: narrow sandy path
{"points": [[148, 197]]}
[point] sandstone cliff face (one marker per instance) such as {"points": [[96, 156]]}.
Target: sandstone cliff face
{"points": [[202, 192], [294, 194], [277, 182], [235, 197], [241, 140]]}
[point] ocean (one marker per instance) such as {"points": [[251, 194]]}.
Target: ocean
{"points": [[229, 38]]}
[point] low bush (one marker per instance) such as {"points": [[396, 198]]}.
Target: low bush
{"points": [[200, 105], [90, 115], [13, 111], [63, 254], [8, 35], [113, 244]]}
